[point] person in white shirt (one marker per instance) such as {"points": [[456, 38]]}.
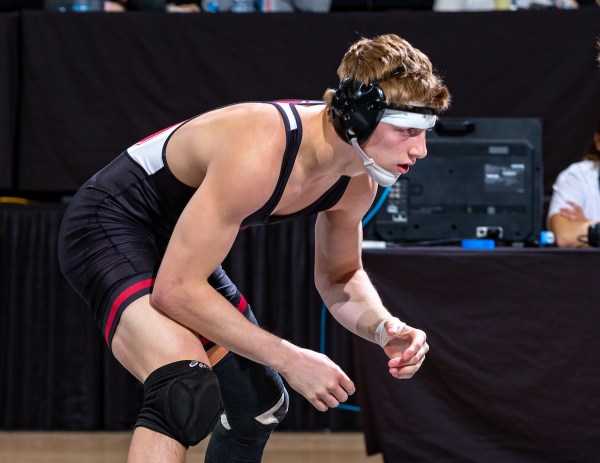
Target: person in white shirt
{"points": [[575, 203]]}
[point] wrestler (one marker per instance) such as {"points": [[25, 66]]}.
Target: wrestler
{"points": [[143, 241]]}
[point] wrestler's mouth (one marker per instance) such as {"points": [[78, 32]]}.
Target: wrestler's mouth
{"points": [[403, 168]]}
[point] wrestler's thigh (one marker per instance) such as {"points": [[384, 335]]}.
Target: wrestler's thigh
{"points": [[146, 339]]}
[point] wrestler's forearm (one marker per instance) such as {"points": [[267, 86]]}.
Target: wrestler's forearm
{"points": [[205, 311], [354, 303]]}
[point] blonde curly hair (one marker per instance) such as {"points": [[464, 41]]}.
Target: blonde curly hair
{"points": [[376, 59]]}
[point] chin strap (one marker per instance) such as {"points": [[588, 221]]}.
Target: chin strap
{"points": [[383, 177]]}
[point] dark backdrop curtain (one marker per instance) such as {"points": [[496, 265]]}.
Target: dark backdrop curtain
{"points": [[94, 84], [9, 93], [56, 372]]}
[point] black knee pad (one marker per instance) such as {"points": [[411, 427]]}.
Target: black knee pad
{"points": [[181, 400]]}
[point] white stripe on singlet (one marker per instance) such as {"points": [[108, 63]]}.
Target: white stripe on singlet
{"points": [[148, 152], [290, 115]]}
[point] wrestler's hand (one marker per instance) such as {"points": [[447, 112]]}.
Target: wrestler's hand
{"points": [[318, 379], [406, 350]]}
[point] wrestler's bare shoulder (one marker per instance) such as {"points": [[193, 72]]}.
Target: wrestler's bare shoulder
{"points": [[242, 137], [250, 116]]}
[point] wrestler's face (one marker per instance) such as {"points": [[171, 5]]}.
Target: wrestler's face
{"points": [[396, 149]]}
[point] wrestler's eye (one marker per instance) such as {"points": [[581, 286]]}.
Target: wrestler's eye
{"points": [[415, 132]]}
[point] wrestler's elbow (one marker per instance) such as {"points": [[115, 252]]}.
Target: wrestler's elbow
{"points": [[165, 296]]}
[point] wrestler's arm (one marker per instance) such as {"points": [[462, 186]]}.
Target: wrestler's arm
{"points": [[235, 185], [345, 287]]}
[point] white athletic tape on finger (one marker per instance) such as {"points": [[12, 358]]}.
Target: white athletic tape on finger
{"points": [[381, 335]]}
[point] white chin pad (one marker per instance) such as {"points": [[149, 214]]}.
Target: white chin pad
{"points": [[408, 119]]}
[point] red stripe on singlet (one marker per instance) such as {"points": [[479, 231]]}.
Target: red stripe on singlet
{"points": [[242, 305], [156, 134], [127, 292]]}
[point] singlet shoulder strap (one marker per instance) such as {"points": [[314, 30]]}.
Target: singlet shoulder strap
{"points": [[293, 131], [329, 199]]}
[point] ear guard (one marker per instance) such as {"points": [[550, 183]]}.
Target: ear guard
{"points": [[357, 108]]}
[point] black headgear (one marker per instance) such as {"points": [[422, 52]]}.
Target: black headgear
{"points": [[357, 107]]}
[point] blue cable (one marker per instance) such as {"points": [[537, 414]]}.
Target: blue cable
{"points": [[323, 321], [351, 408], [375, 209], [365, 221]]}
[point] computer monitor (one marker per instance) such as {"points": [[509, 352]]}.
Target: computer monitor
{"points": [[482, 178]]}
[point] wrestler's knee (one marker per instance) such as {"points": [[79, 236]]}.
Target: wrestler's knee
{"points": [[276, 413], [181, 400]]}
